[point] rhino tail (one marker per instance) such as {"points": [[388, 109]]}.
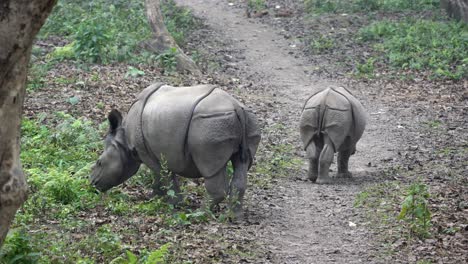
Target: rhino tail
{"points": [[243, 147]]}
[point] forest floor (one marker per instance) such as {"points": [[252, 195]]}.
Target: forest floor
{"points": [[417, 131]]}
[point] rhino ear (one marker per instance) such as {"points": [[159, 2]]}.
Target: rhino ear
{"points": [[115, 120]]}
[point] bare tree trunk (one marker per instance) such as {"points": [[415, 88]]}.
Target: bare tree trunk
{"points": [[457, 9], [163, 40], [20, 21]]}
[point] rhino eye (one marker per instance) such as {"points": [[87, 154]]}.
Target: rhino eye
{"points": [[99, 163]]}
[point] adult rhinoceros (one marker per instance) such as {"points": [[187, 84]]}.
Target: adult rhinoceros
{"points": [[332, 121], [194, 130]]}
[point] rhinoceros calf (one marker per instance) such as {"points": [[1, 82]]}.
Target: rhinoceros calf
{"points": [[194, 130], [332, 121]]}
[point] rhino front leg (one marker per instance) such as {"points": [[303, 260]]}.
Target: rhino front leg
{"points": [[238, 185], [162, 185], [325, 160], [158, 184], [343, 160], [216, 186]]}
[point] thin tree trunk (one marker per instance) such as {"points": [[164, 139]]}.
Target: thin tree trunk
{"points": [[457, 9], [20, 21], [163, 40]]}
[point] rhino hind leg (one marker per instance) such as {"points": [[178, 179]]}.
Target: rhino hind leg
{"points": [[313, 153], [238, 185], [325, 160], [343, 160], [216, 187]]}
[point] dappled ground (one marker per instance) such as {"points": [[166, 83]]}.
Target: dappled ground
{"points": [[417, 136], [427, 115]]}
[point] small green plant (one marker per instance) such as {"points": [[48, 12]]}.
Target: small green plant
{"points": [[434, 123], [415, 210], [157, 256], [188, 218], [62, 53], [134, 72], [167, 60], [367, 68], [256, 5], [321, 44]]}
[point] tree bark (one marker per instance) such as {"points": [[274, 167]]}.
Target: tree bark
{"points": [[20, 21], [457, 9], [163, 40]]}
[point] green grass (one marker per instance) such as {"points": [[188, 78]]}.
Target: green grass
{"points": [[421, 45], [335, 6]]}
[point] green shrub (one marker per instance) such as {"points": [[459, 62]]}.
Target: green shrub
{"points": [[92, 41], [366, 69], [167, 60], [438, 46], [415, 211], [321, 44], [18, 249]]}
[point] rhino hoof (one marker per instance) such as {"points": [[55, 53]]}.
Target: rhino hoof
{"points": [[344, 175], [312, 178], [324, 180]]}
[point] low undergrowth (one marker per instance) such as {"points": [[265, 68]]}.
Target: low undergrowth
{"points": [[439, 47], [278, 157], [334, 6], [395, 39], [421, 216], [84, 225], [105, 31]]}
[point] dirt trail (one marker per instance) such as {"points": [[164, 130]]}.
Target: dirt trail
{"points": [[300, 222]]}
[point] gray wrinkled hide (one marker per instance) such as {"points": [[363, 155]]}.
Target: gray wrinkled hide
{"points": [[196, 130], [332, 121]]}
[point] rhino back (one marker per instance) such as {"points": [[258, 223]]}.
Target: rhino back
{"points": [[166, 119]]}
